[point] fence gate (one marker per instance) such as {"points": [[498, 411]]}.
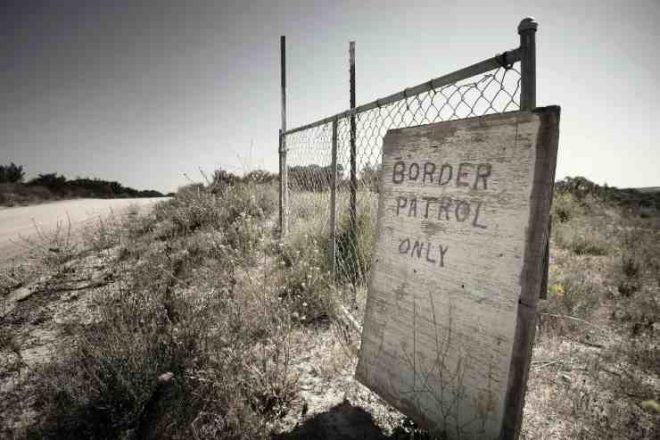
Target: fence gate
{"points": [[329, 169]]}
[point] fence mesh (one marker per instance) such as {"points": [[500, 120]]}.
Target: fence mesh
{"points": [[310, 170]]}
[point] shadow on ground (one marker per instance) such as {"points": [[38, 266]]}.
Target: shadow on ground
{"points": [[342, 421]]}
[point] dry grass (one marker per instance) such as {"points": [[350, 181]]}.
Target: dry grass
{"points": [[190, 335], [595, 371], [194, 322]]}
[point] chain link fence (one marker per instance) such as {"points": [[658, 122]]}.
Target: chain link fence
{"points": [[327, 208]]}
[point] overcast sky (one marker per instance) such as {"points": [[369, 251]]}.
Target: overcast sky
{"points": [[144, 92]]}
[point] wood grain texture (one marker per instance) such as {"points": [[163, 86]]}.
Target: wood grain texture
{"points": [[455, 253]]}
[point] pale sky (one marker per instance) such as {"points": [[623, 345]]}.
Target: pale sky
{"points": [[143, 92]]}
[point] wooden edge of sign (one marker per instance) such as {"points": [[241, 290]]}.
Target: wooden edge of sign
{"points": [[532, 273], [390, 138]]}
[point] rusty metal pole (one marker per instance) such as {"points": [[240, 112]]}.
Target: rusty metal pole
{"points": [[284, 185], [353, 186]]}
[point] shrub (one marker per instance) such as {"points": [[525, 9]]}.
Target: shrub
{"points": [[221, 180], [51, 181], [580, 239], [589, 244], [638, 259], [313, 177], [11, 173], [639, 312], [306, 284], [192, 208], [167, 353], [354, 248], [571, 294], [370, 177], [103, 234], [108, 387], [637, 276], [196, 207], [565, 207], [260, 176], [54, 249]]}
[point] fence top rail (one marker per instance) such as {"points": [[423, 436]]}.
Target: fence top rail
{"points": [[502, 60]]}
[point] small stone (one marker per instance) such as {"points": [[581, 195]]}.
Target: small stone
{"points": [[165, 377]]}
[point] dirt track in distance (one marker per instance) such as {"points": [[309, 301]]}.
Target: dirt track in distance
{"points": [[21, 223]]}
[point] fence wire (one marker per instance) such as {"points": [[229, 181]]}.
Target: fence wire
{"points": [[310, 165]]}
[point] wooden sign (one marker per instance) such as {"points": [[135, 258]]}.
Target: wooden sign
{"points": [[457, 267]]}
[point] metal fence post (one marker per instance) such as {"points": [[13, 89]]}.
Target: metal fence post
{"points": [[353, 190], [333, 201], [527, 31], [516, 398], [284, 183]]}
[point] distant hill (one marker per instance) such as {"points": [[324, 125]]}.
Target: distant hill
{"points": [[648, 189], [642, 200]]}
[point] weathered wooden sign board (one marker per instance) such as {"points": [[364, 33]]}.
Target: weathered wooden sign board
{"points": [[462, 221]]}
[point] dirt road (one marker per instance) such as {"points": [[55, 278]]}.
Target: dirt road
{"points": [[17, 224]]}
